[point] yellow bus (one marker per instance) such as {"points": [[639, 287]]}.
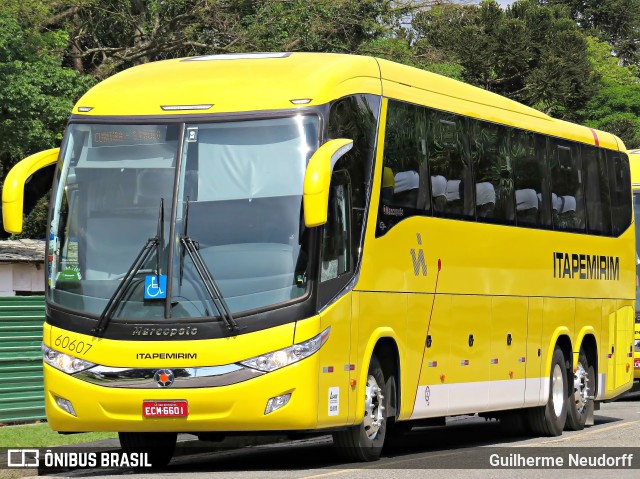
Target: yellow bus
{"points": [[634, 160], [326, 243]]}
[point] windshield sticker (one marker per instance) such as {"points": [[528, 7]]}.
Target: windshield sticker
{"points": [[155, 286], [192, 134], [70, 273]]}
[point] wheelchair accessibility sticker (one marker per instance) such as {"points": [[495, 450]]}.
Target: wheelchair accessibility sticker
{"points": [[154, 289]]}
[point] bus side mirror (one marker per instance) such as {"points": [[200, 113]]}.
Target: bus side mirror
{"points": [[317, 180], [14, 183]]}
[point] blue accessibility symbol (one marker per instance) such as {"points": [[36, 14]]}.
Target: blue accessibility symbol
{"points": [[155, 286]]}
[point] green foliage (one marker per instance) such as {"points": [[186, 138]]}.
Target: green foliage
{"points": [[36, 92], [616, 106], [528, 52], [35, 224], [615, 21]]}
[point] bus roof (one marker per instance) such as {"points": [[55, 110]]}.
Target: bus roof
{"points": [[238, 83]]}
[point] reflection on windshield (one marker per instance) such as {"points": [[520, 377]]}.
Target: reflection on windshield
{"points": [[244, 184]]}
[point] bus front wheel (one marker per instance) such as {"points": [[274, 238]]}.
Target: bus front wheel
{"points": [[158, 446], [364, 442], [550, 420], [581, 401]]}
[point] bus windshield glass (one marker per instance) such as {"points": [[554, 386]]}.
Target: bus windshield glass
{"points": [[233, 188]]}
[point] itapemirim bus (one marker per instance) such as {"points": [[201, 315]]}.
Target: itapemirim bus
{"points": [[325, 243], [634, 160]]}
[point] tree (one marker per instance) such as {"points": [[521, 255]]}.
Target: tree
{"points": [[615, 21], [616, 105], [528, 52], [36, 92]]}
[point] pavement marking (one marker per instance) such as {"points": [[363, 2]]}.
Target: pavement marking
{"points": [[581, 435], [377, 465]]}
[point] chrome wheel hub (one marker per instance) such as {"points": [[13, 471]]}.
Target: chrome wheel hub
{"points": [[373, 408], [557, 390], [581, 388]]}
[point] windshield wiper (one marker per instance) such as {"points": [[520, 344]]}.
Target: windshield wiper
{"points": [[152, 244], [192, 248]]}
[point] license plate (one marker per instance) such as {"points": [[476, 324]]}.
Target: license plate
{"points": [[165, 408], [636, 363]]}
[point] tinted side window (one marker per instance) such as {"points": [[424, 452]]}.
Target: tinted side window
{"points": [[492, 165], [620, 188], [356, 118], [335, 237], [452, 186], [596, 190], [567, 200], [533, 199], [405, 185]]}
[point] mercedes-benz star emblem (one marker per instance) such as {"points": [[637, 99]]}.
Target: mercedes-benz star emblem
{"points": [[163, 377]]}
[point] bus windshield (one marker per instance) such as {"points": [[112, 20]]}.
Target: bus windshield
{"points": [[234, 188]]}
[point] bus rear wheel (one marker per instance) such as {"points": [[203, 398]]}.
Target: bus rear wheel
{"points": [[581, 402], [364, 442], [158, 446], [550, 420]]}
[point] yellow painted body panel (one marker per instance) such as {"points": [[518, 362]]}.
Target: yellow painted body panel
{"points": [[13, 187], [232, 85], [238, 407], [634, 161], [494, 283]]}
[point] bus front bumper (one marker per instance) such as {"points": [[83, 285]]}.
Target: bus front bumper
{"points": [[236, 407]]}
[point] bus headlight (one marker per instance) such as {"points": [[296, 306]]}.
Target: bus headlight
{"points": [[292, 354], [64, 362]]}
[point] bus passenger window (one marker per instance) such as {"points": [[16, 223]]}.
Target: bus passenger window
{"points": [[492, 156], [533, 204], [596, 190], [405, 188], [449, 159], [620, 188], [566, 184]]}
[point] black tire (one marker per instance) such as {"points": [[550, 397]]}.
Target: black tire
{"points": [[159, 446], [581, 401], [364, 442], [515, 423], [550, 420]]}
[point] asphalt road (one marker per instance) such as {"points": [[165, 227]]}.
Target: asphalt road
{"points": [[464, 448]]}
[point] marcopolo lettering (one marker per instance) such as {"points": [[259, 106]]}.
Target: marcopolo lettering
{"points": [[166, 355], [392, 211], [586, 266], [140, 331]]}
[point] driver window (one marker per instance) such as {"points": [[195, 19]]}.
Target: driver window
{"points": [[335, 238]]}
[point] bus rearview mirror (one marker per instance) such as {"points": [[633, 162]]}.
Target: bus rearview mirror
{"points": [[317, 180], [14, 183]]}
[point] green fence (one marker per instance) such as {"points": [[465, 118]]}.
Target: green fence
{"points": [[21, 385]]}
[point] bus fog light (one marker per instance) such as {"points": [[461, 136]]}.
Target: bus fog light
{"points": [[65, 405], [276, 403]]}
